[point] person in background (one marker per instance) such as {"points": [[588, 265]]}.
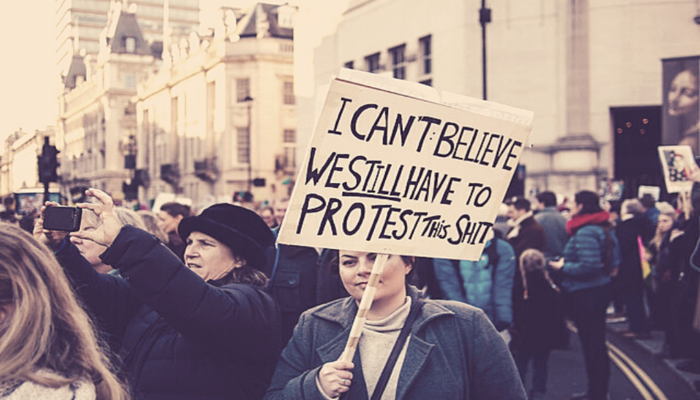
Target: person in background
{"points": [[585, 278], [554, 225], [47, 344], [649, 209], [150, 220], [169, 217], [525, 233], [452, 350], [293, 276], [539, 326], [663, 255], [632, 232], [486, 284], [267, 213], [202, 330]]}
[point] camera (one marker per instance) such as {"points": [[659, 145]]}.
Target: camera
{"points": [[62, 218]]}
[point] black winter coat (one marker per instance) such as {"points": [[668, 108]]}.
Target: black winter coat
{"points": [[292, 282], [629, 276], [538, 321], [182, 338]]}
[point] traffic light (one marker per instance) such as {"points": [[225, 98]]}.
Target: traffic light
{"points": [[48, 163]]}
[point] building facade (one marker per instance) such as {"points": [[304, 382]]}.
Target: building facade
{"points": [[221, 119], [96, 124], [79, 23], [19, 163], [584, 68]]}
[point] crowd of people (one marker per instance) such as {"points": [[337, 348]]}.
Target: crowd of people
{"points": [[181, 304]]}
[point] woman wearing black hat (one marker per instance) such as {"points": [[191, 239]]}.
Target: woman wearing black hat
{"points": [[205, 330]]}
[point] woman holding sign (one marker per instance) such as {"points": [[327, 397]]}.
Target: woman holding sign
{"points": [[410, 348]]}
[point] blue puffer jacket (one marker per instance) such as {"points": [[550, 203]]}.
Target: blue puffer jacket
{"points": [[583, 259], [473, 283]]}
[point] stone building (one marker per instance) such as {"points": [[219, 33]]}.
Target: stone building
{"points": [[220, 119], [589, 69], [97, 123], [18, 163]]}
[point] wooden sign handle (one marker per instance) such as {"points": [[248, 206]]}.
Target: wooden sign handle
{"points": [[365, 304]]}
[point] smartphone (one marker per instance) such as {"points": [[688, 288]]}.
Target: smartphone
{"points": [[62, 218]]}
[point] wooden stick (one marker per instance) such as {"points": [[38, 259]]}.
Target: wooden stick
{"points": [[365, 304]]}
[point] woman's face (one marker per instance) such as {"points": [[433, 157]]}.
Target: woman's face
{"points": [[683, 94], [356, 267], [167, 222], [665, 223], [90, 250], [207, 257]]}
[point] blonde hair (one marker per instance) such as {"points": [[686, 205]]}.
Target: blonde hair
{"points": [[533, 261], [149, 220], [47, 329], [667, 210]]}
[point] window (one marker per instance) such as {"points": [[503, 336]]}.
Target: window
{"points": [[427, 82], [426, 55], [398, 59], [290, 136], [243, 146], [288, 93], [372, 62], [349, 65], [130, 81], [290, 148], [130, 44], [242, 89]]}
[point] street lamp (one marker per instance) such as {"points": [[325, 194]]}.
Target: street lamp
{"points": [[249, 101], [484, 18]]}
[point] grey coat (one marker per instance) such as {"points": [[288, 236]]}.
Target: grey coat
{"points": [[454, 353]]}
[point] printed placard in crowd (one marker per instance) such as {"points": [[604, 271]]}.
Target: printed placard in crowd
{"points": [[387, 172], [678, 165]]}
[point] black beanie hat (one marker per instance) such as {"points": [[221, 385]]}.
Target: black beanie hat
{"points": [[237, 227]]}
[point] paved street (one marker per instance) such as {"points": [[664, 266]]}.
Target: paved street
{"points": [[636, 373]]}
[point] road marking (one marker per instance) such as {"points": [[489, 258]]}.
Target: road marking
{"points": [[636, 375], [631, 376], [642, 375]]}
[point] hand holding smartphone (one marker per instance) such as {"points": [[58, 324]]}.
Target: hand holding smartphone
{"points": [[62, 218]]}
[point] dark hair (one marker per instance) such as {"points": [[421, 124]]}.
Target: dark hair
{"points": [[615, 206], [175, 209], [520, 203], [249, 275], [647, 201], [589, 201], [549, 199]]}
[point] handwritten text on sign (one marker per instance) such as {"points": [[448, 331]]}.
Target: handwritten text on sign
{"points": [[393, 174]]}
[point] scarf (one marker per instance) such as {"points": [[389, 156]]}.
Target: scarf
{"points": [[515, 231], [580, 220]]}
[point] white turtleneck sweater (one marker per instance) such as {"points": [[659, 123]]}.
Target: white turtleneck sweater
{"points": [[377, 341]]}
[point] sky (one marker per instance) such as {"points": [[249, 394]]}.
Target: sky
{"points": [[27, 76]]}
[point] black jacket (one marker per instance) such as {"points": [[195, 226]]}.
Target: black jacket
{"points": [[181, 338], [630, 276]]}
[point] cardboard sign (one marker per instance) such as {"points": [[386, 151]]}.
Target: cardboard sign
{"points": [[387, 172], [678, 164]]}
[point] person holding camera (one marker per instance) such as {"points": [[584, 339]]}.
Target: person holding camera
{"points": [[206, 329], [410, 347]]}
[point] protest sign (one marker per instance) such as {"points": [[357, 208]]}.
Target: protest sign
{"points": [[388, 171], [678, 165]]}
